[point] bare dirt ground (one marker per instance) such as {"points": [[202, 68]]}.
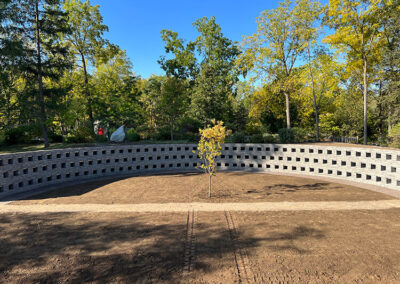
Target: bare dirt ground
{"points": [[228, 187], [339, 245], [356, 246]]}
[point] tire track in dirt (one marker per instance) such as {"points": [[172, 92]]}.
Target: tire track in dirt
{"points": [[190, 242], [243, 267]]}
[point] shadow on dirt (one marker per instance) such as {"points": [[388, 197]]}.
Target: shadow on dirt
{"points": [[71, 248]]}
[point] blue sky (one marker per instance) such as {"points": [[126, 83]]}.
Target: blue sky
{"points": [[135, 25]]}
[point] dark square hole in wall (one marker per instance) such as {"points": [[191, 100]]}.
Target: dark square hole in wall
{"points": [[276, 166], [194, 148], [334, 162], [95, 153], [353, 164], [158, 158], [398, 183], [302, 150], [170, 149], [234, 165], [320, 171], [121, 169], [146, 150], [90, 162], [154, 149], [1, 188], [378, 179], [5, 175], [162, 149], [94, 172], [267, 149], [30, 182], [280, 158], [86, 153], [125, 159], [77, 174], [320, 151], [178, 165], [30, 159], [378, 155], [368, 177], [242, 165], [251, 165], [99, 162], [68, 175], [238, 157], [259, 149], [348, 174], [103, 171], [174, 157], [20, 184], [112, 151], [25, 171], [48, 156], [288, 158], [182, 156], [315, 160], [259, 166], [338, 152], [284, 149], [53, 166], [343, 163], [324, 161], [311, 169], [49, 178], [329, 172], [108, 161], [302, 169], [162, 166], [166, 157], [339, 173], [129, 150], [218, 164], [293, 150], [35, 169], [142, 158], [268, 166], [306, 160], [103, 152], [272, 158], [112, 170], [293, 168], [86, 173], [186, 164], [398, 157], [373, 166], [133, 159], [348, 153], [81, 164], [190, 156], [276, 149], [368, 155], [393, 169], [358, 154], [194, 165], [146, 166], [150, 158], [76, 154], [10, 187], [310, 150], [388, 157], [15, 173], [250, 148], [121, 151], [40, 180], [138, 167], [263, 157], [226, 148], [329, 152], [388, 181], [40, 157], [226, 164], [255, 157], [358, 175], [242, 148], [58, 155], [137, 150], [20, 160], [363, 165], [44, 168], [234, 148], [383, 168], [10, 161]]}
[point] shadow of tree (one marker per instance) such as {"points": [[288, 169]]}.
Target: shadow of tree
{"points": [[71, 248]]}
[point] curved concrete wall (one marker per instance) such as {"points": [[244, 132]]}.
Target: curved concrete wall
{"points": [[34, 170]]}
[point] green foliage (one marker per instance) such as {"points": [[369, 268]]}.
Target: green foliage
{"points": [[23, 134], [300, 134], [132, 135], [101, 138], [270, 138], [238, 137], [394, 134], [256, 138], [82, 134], [286, 135]]}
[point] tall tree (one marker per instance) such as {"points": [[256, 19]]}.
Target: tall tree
{"points": [[357, 30], [35, 25], [86, 38], [275, 48], [214, 84]]}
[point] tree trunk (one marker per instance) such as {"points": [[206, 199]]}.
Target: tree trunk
{"points": [[365, 101], [313, 93], [40, 79], [287, 110], [209, 186], [89, 99]]}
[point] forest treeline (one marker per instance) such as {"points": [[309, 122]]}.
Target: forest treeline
{"points": [[309, 71]]}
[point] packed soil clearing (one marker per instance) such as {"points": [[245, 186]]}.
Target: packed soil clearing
{"points": [[358, 246], [192, 187]]}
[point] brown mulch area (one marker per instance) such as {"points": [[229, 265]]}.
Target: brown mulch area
{"points": [[357, 246], [227, 187]]}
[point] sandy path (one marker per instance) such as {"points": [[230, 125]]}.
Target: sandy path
{"points": [[206, 207]]}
